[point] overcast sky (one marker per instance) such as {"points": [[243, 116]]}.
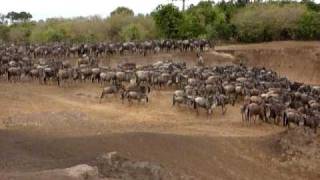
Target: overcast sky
{"points": [[42, 9]]}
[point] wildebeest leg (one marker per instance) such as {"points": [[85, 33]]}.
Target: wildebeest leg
{"points": [[45, 80], [195, 106], [285, 120], [122, 98], [248, 116], [224, 109], [102, 95], [129, 100], [242, 119], [276, 120], [40, 80]]}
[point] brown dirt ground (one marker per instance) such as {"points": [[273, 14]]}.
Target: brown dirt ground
{"points": [[299, 61], [46, 127]]}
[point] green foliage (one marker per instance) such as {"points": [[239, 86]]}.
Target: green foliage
{"points": [[228, 8], [4, 33], [231, 20], [18, 16], [190, 27], [131, 32], [122, 11], [309, 26], [168, 19], [266, 22], [20, 32], [119, 27], [311, 5], [204, 18]]}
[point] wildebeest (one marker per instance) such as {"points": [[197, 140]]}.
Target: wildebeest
{"points": [[254, 110], [292, 116], [312, 122], [134, 95], [112, 89], [207, 103], [14, 73]]}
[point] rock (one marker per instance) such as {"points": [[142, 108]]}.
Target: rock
{"points": [[79, 172], [82, 171], [109, 164], [112, 165]]}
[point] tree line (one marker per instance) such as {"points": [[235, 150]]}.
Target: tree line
{"points": [[241, 21]]}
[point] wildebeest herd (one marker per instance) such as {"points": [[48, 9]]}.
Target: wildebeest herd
{"points": [[61, 50], [264, 94]]}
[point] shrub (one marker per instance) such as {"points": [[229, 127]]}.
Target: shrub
{"points": [[168, 19], [265, 22], [4, 33], [309, 26]]}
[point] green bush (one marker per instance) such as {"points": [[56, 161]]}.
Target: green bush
{"points": [[131, 32], [20, 32], [309, 26], [4, 33], [242, 21], [265, 22], [168, 19], [95, 29], [204, 20]]}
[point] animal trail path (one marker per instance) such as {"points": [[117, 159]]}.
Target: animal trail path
{"points": [[160, 117]]}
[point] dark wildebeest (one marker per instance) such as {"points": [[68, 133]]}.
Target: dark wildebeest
{"points": [[312, 122], [292, 116], [253, 110], [14, 72]]}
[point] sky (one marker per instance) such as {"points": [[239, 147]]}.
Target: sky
{"points": [[42, 9]]}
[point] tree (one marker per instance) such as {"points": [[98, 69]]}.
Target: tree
{"points": [[2, 19], [183, 4], [18, 17], [24, 16], [267, 22], [168, 19], [13, 16], [131, 32], [311, 5], [204, 20], [309, 26], [122, 11]]}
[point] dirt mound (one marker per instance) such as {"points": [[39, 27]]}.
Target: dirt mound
{"points": [[300, 146]]}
